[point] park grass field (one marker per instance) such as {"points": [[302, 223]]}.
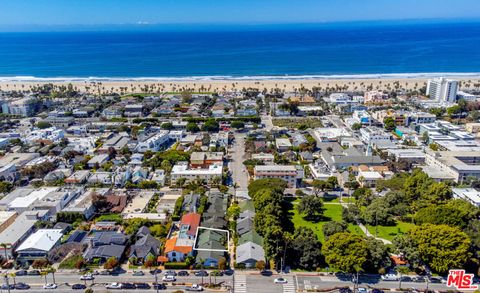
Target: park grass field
{"points": [[333, 212], [389, 232]]}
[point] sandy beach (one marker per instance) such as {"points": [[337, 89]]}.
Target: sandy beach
{"points": [[287, 85]]}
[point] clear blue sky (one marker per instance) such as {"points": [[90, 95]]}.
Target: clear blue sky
{"points": [[101, 12]]}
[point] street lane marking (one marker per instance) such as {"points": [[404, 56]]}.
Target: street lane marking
{"points": [[289, 287], [240, 284]]}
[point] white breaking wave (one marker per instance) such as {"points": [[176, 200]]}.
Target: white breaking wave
{"points": [[238, 78]]}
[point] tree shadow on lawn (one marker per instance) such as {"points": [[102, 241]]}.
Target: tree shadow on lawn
{"points": [[316, 219], [289, 207]]}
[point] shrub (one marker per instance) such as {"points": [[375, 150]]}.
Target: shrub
{"points": [[176, 265]]}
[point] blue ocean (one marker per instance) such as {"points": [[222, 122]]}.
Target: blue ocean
{"points": [[244, 52]]}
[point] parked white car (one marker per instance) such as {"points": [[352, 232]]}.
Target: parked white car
{"points": [[389, 277], [280, 281], [194, 287], [114, 286], [87, 277], [169, 278], [50, 286]]}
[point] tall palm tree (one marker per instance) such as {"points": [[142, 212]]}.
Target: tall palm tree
{"points": [[4, 246], [45, 274], [13, 275]]}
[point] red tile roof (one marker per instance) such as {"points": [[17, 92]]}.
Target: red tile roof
{"points": [[192, 220]]}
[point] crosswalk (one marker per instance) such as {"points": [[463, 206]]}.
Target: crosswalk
{"points": [[240, 284], [289, 287]]}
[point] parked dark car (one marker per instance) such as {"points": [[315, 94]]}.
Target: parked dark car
{"points": [[345, 290], [159, 286], [183, 273], [78, 286], [201, 274], [21, 273], [229, 272], [33, 273], [142, 286], [128, 286], [266, 273], [6, 287], [155, 271], [170, 273], [22, 286], [376, 291]]}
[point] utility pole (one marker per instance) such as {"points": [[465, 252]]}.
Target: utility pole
{"points": [[6, 282], [156, 279]]}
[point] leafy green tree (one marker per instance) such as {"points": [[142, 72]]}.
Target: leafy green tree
{"points": [[305, 250], [378, 255], [356, 126], [211, 125], [333, 227], [310, 206], [233, 211], [319, 186], [237, 124], [378, 213], [416, 184], [350, 214], [441, 247], [389, 123], [43, 124], [454, 213], [148, 184], [363, 196], [192, 127], [111, 263], [438, 192], [473, 231], [454, 110], [266, 183], [187, 97], [167, 126], [345, 252], [5, 187], [332, 182]]}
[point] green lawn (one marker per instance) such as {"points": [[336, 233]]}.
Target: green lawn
{"points": [[345, 199], [389, 232], [333, 212], [69, 263]]}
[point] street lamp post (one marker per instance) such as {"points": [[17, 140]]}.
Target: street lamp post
{"points": [[6, 282], [156, 279]]}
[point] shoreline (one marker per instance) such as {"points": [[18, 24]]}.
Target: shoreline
{"points": [[384, 82], [313, 77]]}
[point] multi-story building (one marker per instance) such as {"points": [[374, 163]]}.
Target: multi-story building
{"points": [[456, 166], [289, 173], [182, 170], [154, 143], [25, 107], [442, 89], [371, 134], [375, 96]]}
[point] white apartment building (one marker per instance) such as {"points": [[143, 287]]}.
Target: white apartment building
{"points": [[289, 173], [371, 135], [457, 166], [154, 143], [182, 170], [442, 89], [375, 96]]}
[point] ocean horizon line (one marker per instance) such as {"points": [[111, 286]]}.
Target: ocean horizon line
{"points": [[239, 78]]}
